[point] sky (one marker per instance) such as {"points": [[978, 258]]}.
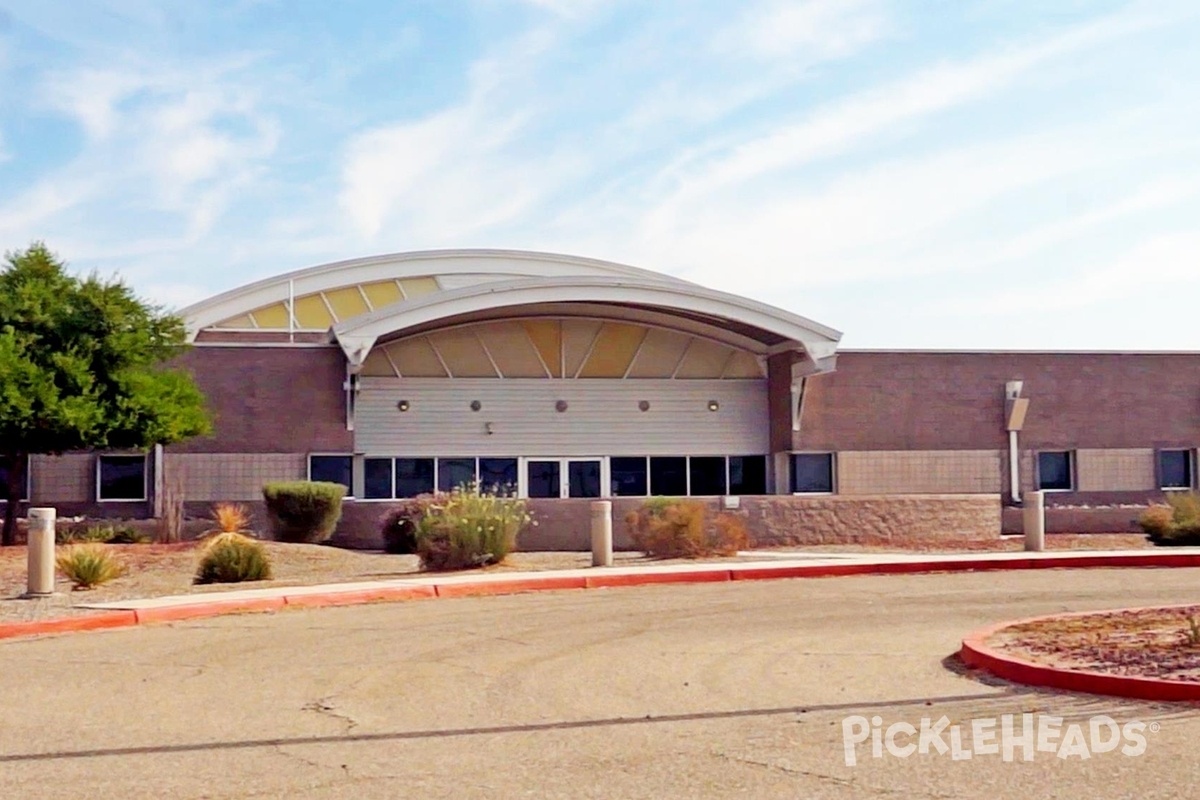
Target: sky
{"points": [[945, 174]]}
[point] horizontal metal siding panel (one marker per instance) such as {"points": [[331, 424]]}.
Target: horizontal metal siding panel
{"points": [[602, 417]]}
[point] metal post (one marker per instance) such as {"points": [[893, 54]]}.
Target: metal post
{"points": [[602, 552], [40, 547], [1035, 521]]}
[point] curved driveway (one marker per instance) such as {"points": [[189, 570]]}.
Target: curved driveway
{"points": [[716, 690]]}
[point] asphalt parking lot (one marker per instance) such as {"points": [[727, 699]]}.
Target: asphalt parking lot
{"points": [[714, 690]]}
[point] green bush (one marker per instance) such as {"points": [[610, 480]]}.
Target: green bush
{"points": [[400, 524], [127, 534], [469, 528], [88, 565], [303, 511], [84, 533], [233, 558], [1175, 524]]}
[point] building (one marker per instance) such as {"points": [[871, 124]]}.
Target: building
{"points": [[568, 379]]}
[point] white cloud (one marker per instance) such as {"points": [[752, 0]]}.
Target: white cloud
{"points": [[813, 29]]}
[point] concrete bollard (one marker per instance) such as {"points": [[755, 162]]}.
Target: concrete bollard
{"points": [[40, 549], [1035, 521], [602, 552]]}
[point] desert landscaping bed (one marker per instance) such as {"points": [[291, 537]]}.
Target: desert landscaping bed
{"points": [[1161, 643]]}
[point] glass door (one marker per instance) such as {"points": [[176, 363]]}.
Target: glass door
{"points": [[565, 477], [584, 477]]}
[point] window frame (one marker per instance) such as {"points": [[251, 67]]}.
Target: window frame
{"points": [[1190, 463], [1072, 471], [349, 489], [145, 478], [28, 484], [833, 473]]}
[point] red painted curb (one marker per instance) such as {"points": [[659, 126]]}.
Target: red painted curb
{"points": [[92, 622], [211, 609], [708, 576], [327, 599], [549, 583], [975, 653]]}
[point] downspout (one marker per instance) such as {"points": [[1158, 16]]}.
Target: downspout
{"points": [[1015, 408], [291, 311]]}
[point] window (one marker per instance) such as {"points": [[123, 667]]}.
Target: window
{"points": [[22, 492], [414, 476], [1054, 471], [668, 476], [545, 479], [121, 478], [747, 474], [708, 475], [455, 472], [812, 473], [498, 475], [629, 476], [332, 469], [1175, 469], [377, 478]]}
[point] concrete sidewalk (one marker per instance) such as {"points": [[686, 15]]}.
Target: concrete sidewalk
{"points": [[773, 565]]}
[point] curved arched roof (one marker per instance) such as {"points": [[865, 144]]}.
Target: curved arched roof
{"points": [[407, 275], [762, 328], [363, 301]]}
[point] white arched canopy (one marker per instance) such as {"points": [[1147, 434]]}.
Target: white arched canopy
{"points": [[753, 326]]}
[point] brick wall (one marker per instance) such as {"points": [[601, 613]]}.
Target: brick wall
{"points": [[271, 399], [773, 521], [1130, 470], [232, 476], [919, 472]]}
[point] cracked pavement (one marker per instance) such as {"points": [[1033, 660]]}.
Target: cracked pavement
{"points": [[708, 690]]}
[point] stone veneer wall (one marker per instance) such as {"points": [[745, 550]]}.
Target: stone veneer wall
{"points": [[772, 520], [890, 472]]}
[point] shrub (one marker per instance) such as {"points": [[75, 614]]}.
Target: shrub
{"points": [[669, 528], [233, 558], [83, 533], [88, 565], [228, 518], [127, 534], [469, 528], [400, 524], [303, 511], [1177, 523]]}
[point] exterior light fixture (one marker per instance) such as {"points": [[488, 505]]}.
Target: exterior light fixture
{"points": [[560, 406], [643, 405], [402, 405], [487, 428], [713, 405], [476, 405]]}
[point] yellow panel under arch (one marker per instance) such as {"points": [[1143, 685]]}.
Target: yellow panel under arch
{"points": [[275, 317], [377, 365], [704, 359], [415, 358], [243, 321], [415, 287], [311, 313], [615, 347], [463, 354], [382, 293], [510, 348], [660, 354], [546, 335], [743, 365], [346, 303], [578, 335]]}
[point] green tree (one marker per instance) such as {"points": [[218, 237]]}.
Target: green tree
{"points": [[83, 365]]}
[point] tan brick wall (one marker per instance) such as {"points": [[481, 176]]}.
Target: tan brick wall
{"points": [[919, 472], [895, 519], [69, 478], [233, 476], [1115, 470]]}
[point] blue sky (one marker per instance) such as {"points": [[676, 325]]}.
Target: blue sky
{"points": [[930, 173]]}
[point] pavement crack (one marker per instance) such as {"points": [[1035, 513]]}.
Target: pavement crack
{"points": [[783, 765], [326, 707]]}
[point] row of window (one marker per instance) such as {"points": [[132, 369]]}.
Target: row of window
{"points": [[118, 478], [1056, 470], [627, 476]]}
